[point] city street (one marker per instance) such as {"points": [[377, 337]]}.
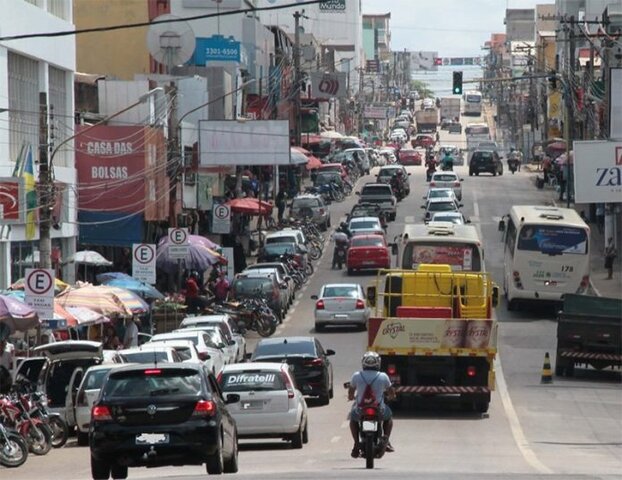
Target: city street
{"points": [[566, 430]]}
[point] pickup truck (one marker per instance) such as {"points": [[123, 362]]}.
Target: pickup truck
{"points": [[382, 195], [589, 332]]}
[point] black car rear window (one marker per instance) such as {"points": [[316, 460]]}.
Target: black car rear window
{"points": [[291, 347], [148, 356], [376, 190], [252, 285], [251, 379], [483, 155], [153, 382]]}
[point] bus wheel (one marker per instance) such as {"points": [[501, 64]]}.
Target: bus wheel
{"points": [[511, 305]]}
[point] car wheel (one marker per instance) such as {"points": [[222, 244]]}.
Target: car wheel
{"points": [[494, 173], [99, 470], [500, 172], [119, 471], [231, 465], [470, 173], [331, 392], [350, 271], [319, 327], [477, 174], [305, 433], [296, 438], [83, 439], [215, 463]]}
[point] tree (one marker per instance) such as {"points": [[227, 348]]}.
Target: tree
{"points": [[422, 88]]}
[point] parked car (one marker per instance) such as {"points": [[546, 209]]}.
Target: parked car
{"points": [[175, 410], [485, 161], [313, 370], [270, 406], [288, 281], [440, 205], [228, 325], [217, 339], [340, 304], [247, 285], [365, 226], [274, 252], [367, 252], [382, 194], [333, 167], [311, 206], [186, 349], [410, 157], [447, 180], [209, 352], [363, 161]]}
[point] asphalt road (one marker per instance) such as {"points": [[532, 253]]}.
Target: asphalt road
{"points": [[569, 430]]}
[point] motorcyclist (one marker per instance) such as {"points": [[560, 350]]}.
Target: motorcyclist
{"points": [[513, 159], [447, 163], [341, 237], [381, 386], [396, 184]]}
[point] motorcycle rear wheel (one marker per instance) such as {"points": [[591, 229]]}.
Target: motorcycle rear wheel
{"points": [[39, 439], [369, 451], [13, 452], [264, 325]]}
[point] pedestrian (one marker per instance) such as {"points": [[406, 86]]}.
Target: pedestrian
{"points": [[192, 293], [111, 340], [280, 204], [130, 338], [6, 354], [546, 168], [610, 255], [221, 288], [600, 217]]}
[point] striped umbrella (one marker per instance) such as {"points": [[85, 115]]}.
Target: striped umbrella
{"points": [[59, 285], [98, 298]]}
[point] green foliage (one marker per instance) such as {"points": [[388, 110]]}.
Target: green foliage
{"points": [[422, 88]]}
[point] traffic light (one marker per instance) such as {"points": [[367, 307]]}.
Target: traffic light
{"points": [[457, 83]]}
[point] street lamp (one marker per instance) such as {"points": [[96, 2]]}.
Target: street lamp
{"points": [[45, 179]]}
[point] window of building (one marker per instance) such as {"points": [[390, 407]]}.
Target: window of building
{"points": [[59, 117], [23, 103]]}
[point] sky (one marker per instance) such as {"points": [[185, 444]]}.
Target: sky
{"points": [[453, 28]]}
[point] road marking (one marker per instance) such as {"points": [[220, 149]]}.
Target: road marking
{"points": [[345, 424], [409, 219], [335, 439], [517, 431], [476, 212]]}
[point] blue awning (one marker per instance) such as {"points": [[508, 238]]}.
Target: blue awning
{"points": [[110, 229]]}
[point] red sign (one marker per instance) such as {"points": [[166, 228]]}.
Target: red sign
{"points": [[122, 169], [12, 208]]}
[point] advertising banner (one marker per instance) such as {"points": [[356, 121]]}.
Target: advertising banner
{"points": [[333, 6], [597, 171], [423, 61], [370, 111], [421, 333], [12, 201], [328, 85], [459, 257]]}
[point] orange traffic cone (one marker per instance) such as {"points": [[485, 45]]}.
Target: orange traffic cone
{"points": [[547, 376]]}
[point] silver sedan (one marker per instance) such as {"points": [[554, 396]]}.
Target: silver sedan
{"points": [[341, 304]]}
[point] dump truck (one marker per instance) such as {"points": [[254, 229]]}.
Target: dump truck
{"points": [[426, 120], [434, 332], [589, 332], [450, 108]]}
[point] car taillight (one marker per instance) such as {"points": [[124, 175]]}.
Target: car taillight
{"points": [[471, 371], [360, 304], [152, 371], [316, 362], [432, 184], [81, 399], [391, 370], [204, 408], [322, 211], [288, 385], [456, 184], [101, 413], [319, 305], [219, 378]]}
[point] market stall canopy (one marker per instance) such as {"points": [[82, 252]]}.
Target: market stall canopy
{"points": [[200, 257], [303, 156], [89, 257], [100, 298], [16, 315], [123, 280], [249, 206]]}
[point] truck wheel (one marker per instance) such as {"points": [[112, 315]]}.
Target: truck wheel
{"points": [[481, 407], [511, 305]]}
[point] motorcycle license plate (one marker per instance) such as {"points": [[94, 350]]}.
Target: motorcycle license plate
{"points": [[151, 438], [369, 426]]}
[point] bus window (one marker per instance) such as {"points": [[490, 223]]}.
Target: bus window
{"points": [[553, 240], [510, 237]]}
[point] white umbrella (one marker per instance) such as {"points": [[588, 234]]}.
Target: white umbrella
{"points": [[86, 316], [89, 257], [331, 134]]}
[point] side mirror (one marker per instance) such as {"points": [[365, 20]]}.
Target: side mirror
{"points": [[330, 352], [248, 356], [232, 398], [314, 297], [422, 206], [495, 295], [501, 226], [371, 295], [462, 179], [357, 193], [467, 220], [460, 205]]}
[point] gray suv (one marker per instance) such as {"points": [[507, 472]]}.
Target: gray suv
{"points": [[382, 195], [310, 206]]}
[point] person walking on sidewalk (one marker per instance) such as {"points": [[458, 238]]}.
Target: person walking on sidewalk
{"points": [[610, 256]]}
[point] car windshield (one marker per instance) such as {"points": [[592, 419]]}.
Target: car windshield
{"points": [[152, 382], [442, 207], [483, 155], [364, 225], [326, 177], [281, 239], [279, 248], [376, 190], [164, 337], [249, 285], [146, 356], [305, 203], [95, 378], [444, 178], [436, 193], [284, 348], [340, 291], [251, 380], [366, 242]]}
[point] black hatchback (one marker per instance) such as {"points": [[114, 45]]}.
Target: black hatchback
{"points": [[485, 161], [164, 414], [312, 368]]}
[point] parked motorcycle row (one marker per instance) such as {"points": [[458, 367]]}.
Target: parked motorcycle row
{"points": [[26, 425]]}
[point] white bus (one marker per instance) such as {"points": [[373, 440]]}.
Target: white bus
{"points": [[546, 254], [442, 243], [473, 103]]}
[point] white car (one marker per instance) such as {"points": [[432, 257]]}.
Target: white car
{"points": [[447, 179], [228, 325], [365, 226], [457, 218], [185, 349], [270, 404], [210, 354], [216, 339], [434, 192], [150, 353], [340, 304], [87, 393]]}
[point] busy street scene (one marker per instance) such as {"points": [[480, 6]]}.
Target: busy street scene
{"points": [[302, 239]]}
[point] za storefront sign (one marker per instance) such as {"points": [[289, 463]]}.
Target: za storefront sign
{"points": [[12, 201], [598, 171]]}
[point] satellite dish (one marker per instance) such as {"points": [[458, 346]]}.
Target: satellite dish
{"points": [[170, 44]]}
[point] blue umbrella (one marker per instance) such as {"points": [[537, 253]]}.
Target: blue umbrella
{"points": [[123, 280]]}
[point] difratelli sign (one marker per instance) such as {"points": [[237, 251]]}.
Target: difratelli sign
{"points": [[332, 6]]}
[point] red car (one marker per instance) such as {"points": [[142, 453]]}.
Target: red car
{"points": [[368, 252], [423, 140], [334, 167], [410, 157]]}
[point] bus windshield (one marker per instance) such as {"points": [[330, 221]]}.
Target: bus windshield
{"points": [[553, 240], [473, 98], [460, 256]]}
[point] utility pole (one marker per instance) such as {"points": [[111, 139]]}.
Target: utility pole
{"points": [[570, 122], [45, 182], [361, 100], [297, 79], [175, 157]]}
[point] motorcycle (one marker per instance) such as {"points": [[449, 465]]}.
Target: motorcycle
{"points": [[370, 433], [447, 166], [339, 254], [513, 165], [13, 448], [430, 171], [15, 413]]}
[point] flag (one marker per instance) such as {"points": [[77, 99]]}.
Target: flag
{"points": [[28, 174]]}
